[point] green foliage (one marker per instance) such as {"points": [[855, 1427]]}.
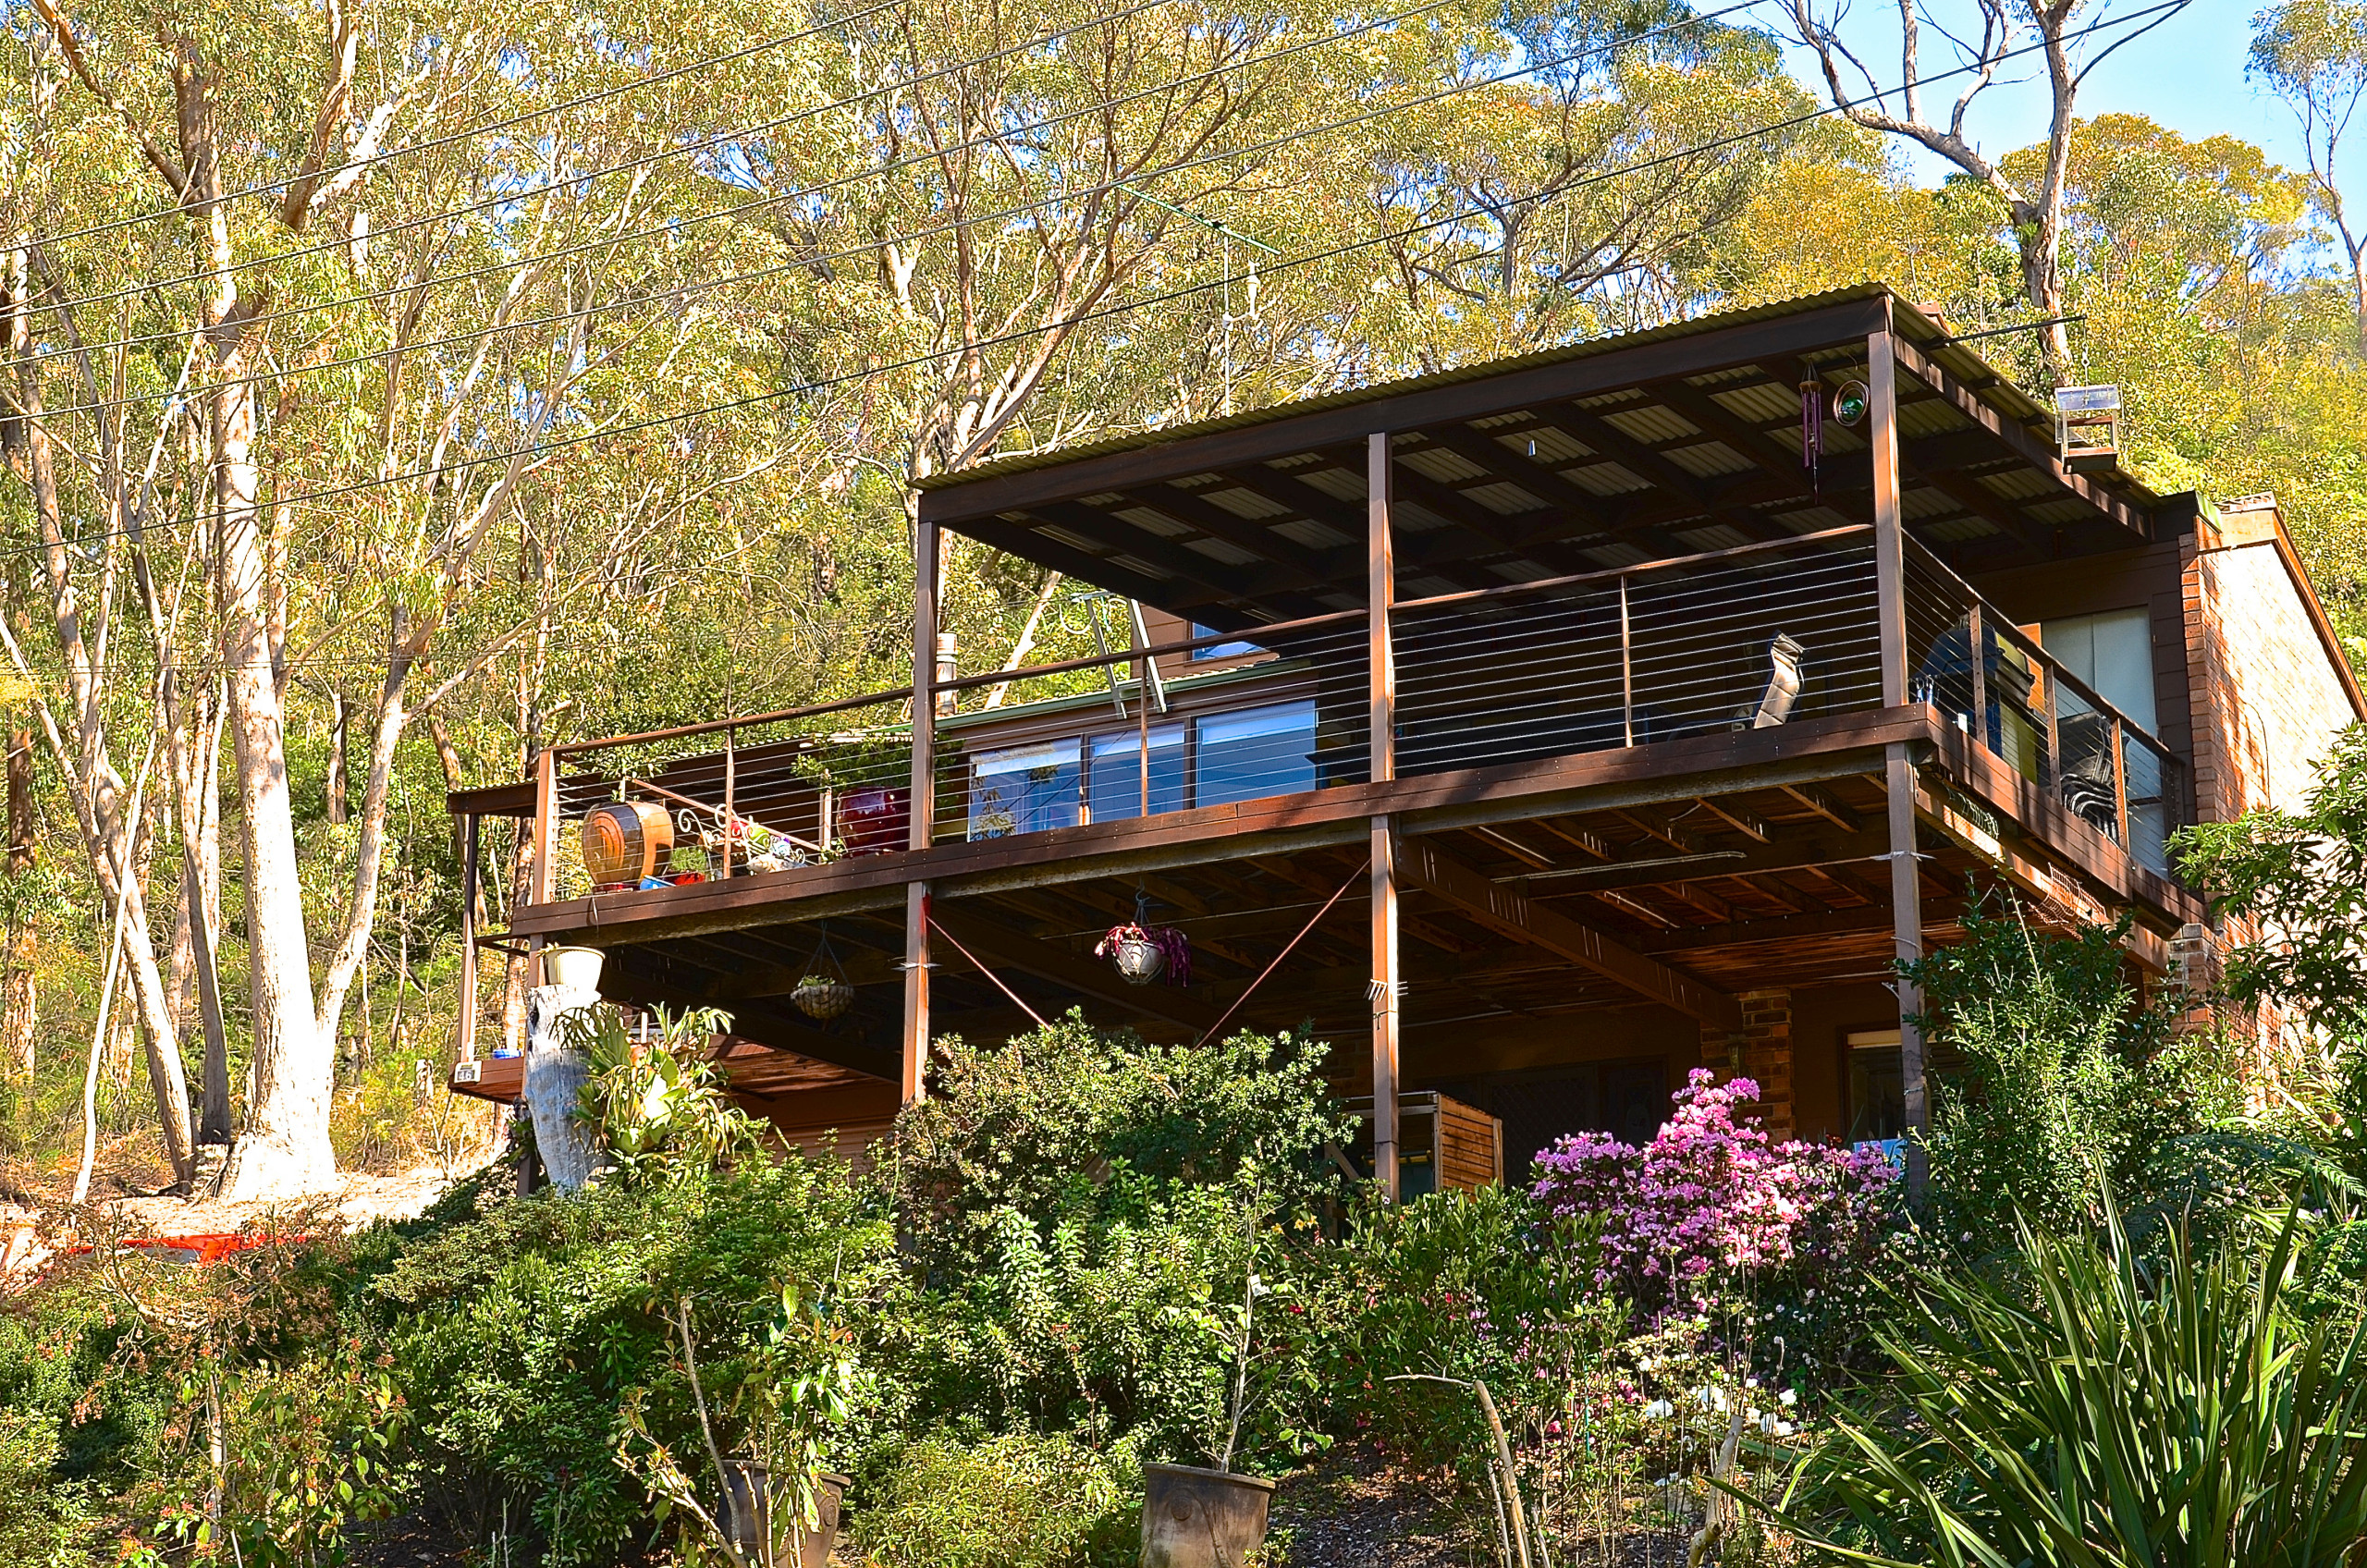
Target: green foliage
{"points": [[656, 1107], [2052, 1077], [309, 1449], [2095, 1412], [44, 1522], [1488, 1285], [1081, 1211], [525, 1329], [1016, 1502]]}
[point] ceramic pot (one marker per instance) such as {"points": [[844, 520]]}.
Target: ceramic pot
{"points": [[875, 821], [747, 1515], [1202, 1518], [1140, 961], [576, 968]]}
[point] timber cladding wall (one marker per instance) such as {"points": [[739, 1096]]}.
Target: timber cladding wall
{"points": [[2266, 694], [1470, 1147]]}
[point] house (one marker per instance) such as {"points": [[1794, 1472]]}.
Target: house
{"points": [[1533, 732]]}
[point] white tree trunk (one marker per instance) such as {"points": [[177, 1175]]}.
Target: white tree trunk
{"points": [[286, 1150]]}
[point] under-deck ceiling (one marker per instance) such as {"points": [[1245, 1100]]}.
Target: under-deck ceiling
{"points": [[1774, 887], [1663, 445]]}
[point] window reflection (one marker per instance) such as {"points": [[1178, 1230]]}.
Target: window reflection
{"points": [[1114, 783], [1023, 788], [1257, 752]]}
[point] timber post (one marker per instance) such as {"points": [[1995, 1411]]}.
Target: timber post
{"points": [[1898, 768], [544, 881], [469, 872], [1387, 987], [925, 587]]}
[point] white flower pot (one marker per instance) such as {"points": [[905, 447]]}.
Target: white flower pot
{"points": [[576, 968]]}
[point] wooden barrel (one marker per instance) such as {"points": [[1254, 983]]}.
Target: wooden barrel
{"points": [[626, 841]]}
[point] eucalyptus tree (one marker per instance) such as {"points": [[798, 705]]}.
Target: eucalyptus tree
{"points": [[1984, 38], [2313, 53], [307, 334]]}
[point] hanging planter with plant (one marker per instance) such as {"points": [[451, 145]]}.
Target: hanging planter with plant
{"points": [[824, 993], [1143, 952]]}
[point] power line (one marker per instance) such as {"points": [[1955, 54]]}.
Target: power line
{"points": [[521, 196], [407, 150], [1166, 297], [672, 228], [868, 246]]}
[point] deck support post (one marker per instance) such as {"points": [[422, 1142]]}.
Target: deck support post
{"points": [[922, 806], [544, 881], [1381, 661], [1898, 776], [470, 874]]}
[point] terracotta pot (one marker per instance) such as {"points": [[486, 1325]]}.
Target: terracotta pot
{"points": [[1202, 1518], [875, 821], [747, 1515]]}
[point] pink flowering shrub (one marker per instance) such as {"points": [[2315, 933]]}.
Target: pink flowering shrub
{"points": [[1712, 1206]]}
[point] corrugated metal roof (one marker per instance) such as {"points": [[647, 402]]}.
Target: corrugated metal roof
{"points": [[1991, 388]]}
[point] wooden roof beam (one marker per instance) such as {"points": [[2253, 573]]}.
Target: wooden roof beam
{"points": [[1424, 865], [1026, 543], [1238, 580], [1598, 514], [1414, 550], [1649, 462], [1307, 568], [2025, 445]]}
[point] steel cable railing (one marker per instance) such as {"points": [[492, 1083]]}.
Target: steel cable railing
{"points": [[2004, 688], [1749, 637]]}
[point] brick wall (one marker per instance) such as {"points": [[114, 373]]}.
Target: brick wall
{"points": [[2265, 695], [1762, 1052]]}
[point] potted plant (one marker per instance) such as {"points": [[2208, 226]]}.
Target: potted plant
{"points": [[823, 993], [1213, 1518], [1143, 952], [775, 1505]]}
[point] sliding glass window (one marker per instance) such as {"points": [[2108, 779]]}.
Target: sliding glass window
{"points": [[1257, 752], [1114, 782], [1024, 789]]}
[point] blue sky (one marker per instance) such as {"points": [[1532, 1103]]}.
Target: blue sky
{"points": [[2188, 73]]}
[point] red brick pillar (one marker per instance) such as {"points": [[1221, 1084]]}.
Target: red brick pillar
{"points": [[1762, 1052]]}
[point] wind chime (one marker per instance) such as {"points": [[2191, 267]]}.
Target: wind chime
{"points": [[1846, 407]]}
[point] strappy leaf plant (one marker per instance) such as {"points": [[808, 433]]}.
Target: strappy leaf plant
{"points": [[2090, 1409]]}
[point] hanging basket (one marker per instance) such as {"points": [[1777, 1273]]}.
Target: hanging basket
{"points": [[823, 997], [824, 992], [1145, 954]]}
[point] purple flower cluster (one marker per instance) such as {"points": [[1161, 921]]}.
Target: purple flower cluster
{"points": [[1711, 1198]]}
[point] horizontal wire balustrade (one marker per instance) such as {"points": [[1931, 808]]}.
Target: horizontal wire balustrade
{"points": [[2053, 728], [1758, 635]]}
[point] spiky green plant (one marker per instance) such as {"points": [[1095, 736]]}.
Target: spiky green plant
{"points": [[2091, 1410]]}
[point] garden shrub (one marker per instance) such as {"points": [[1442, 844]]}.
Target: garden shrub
{"points": [[1081, 1211], [1016, 1502], [1713, 1216], [2051, 1078], [119, 1372], [2088, 1406], [523, 1330], [1488, 1285], [45, 1521]]}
